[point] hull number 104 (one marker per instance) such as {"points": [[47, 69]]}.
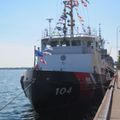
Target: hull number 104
{"points": [[63, 90]]}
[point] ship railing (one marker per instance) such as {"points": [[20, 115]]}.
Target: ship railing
{"points": [[68, 35]]}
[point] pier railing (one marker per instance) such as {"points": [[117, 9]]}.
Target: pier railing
{"points": [[104, 110]]}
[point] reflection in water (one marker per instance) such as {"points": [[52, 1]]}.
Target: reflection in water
{"points": [[28, 113], [70, 114]]}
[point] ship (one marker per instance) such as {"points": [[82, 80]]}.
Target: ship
{"points": [[70, 69]]}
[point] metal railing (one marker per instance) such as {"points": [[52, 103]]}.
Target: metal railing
{"points": [[103, 112]]}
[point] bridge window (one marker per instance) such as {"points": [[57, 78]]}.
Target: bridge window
{"points": [[65, 42], [54, 43], [76, 43], [89, 43]]}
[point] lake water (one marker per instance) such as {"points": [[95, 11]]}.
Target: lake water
{"points": [[20, 108]]}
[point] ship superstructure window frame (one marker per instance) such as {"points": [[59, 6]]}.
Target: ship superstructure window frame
{"points": [[85, 42], [76, 42], [54, 43], [89, 43], [64, 42]]}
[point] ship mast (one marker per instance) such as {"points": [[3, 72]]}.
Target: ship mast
{"points": [[70, 5], [64, 25], [71, 17], [100, 37]]}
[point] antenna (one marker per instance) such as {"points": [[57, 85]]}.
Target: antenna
{"points": [[49, 20], [100, 37], [100, 31]]}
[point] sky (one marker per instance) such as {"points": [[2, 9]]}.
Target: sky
{"points": [[22, 23]]}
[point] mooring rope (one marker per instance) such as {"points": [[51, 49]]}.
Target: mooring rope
{"points": [[16, 96]]}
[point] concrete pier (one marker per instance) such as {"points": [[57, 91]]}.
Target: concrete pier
{"points": [[110, 106]]}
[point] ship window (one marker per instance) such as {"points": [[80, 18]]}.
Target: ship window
{"points": [[65, 42], [43, 44], [89, 43], [96, 44], [54, 43], [68, 43], [76, 42]]}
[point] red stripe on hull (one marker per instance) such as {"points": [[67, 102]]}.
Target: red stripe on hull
{"points": [[86, 84]]}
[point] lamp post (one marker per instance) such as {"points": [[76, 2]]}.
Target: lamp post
{"points": [[117, 31], [117, 54]]}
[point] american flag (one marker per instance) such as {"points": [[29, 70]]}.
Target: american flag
{"points": [[38, 53], [42, 60]]}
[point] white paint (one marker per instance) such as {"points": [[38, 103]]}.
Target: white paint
{"points": [[73, 62], [63, 90]]}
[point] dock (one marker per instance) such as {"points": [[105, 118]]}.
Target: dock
{"points": [[110, 106]]}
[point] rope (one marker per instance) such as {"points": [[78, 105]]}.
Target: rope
{"points": [[16, 96]]}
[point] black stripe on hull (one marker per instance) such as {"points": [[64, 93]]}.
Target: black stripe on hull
{"points": [[53, 90]]}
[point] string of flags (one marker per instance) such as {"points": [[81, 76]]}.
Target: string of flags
{"points": [[63, 17], [76, 3], [80, 18], [68, 3], [85, 2]]}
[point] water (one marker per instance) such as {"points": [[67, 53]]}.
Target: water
{"points": [[20, 108]]}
